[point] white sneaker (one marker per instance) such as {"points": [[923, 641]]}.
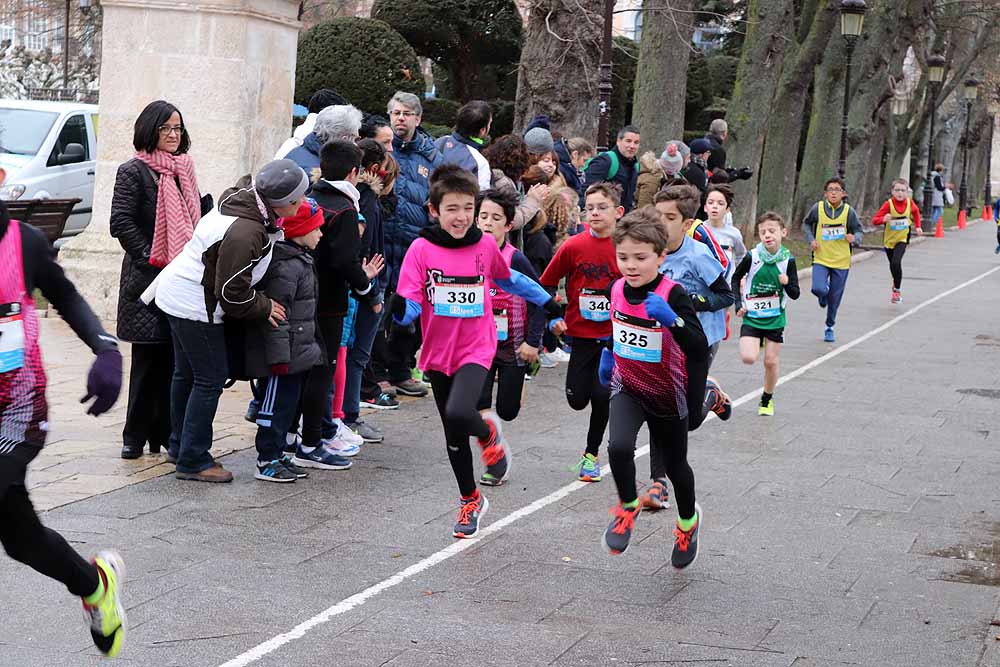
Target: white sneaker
{"points": [[546, 360], [340, 448], [345, 434], [560, 355]]}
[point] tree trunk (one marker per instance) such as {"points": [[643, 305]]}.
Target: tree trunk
{"points": [[661, 79], [822, 141], [768, 30], [558, 73]]}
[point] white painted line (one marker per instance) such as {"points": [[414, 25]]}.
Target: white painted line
{"points": [[459, 546]]}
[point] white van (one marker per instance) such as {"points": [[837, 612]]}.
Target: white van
{"points": [[49, 151]]}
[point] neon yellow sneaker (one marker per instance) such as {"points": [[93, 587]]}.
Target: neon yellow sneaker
{"points": [[766, 410], [588, 469], [106, 615]]}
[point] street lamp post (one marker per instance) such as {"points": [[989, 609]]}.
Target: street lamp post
{"points": [[988, 195], [604, 86], [971, 92], [852, 20], [935, 75]]}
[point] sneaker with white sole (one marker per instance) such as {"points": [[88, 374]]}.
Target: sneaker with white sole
{"points": [[340, 448], [545, 360], [106, 615], [560, 355], [381, 402], [345, 434], [368, 432], [274, 471], [495, 452], [320, 458]]}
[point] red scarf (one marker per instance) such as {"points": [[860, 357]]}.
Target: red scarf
{"points": [[177, 209]]}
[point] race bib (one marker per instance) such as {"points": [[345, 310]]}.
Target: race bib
{"points": [[500, 317], [11, 337], [637, 339], [833, 233], [899, 224], [765, 305], [459, 296], [594, 305]]}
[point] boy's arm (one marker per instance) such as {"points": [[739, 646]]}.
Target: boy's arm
{"points": [[719, 297], [741, 271], [739, 250], [520, 285], [792, 288], [340, 234], [854, 226], [809, 224], [277, 340], [556, 269]]}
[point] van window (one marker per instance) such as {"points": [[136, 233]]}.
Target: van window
{"points": [[73, 132], [23, 131]]}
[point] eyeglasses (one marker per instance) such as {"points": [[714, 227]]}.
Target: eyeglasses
{"points": [[402, 114], [167, 130], [834, 190], [599, 207]]}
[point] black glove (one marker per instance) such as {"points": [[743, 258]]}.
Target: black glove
{"points": [[700, 303], [741, 174], [553, 309], [104, 381], [396, 306]]}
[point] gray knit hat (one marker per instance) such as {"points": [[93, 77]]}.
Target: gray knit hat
{"points": [[281, 182], [539, 140]]}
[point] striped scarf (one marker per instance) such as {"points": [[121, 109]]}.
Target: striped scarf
{"points": [[178, 209]]}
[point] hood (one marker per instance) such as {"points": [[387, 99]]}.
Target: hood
{"points": [[312, 143], [306, 128], [13, 163], [421, 144], [287, 249], [562, 150], [242, 201], [650, 163], [372, 182]]}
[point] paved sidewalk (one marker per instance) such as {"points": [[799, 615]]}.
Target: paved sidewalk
{"points": [[859, 526]]}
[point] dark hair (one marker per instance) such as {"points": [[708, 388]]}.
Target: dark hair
{"points": [[724, 190], [686, 197], [534, 176], [642, 226], [509, 154], [628, 129], [719, 176], [323, 98], [473, 118], [146, 136], [372, 152], [505, 200], [451, 179], [611, 191], [337, 158], [830, 181], [370, 125], [769, 216]]}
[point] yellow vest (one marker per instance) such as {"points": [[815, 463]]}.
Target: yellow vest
{"points": [[834, 251], [897, 227]]}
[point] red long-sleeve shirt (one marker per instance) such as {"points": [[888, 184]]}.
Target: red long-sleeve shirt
{"points": [[898, 208], [588, 263]]}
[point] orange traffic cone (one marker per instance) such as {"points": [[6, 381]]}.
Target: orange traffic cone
{"points": [[987, 211], [939, 230], [961, 219]]}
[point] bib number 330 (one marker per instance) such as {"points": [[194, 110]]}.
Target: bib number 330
{"points": [[459, 297]]}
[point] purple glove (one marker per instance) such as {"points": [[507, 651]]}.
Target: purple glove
{"points": [[104, 382]]}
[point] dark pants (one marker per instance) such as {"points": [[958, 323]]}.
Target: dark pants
{"points": [[668, 437], [829, 284], [509, 389], [281, 398], [895, 257], [317, 416], [200, 370], [24, 537], [584, 388], [456, 397], [365, 325], [147, 418]]}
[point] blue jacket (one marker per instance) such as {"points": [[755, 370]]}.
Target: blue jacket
{"points": [[465, 152], [569, 173], [307, 156], [417, 159], [627, 176]]}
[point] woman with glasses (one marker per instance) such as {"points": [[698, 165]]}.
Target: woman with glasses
{"points": [[154, 209]]}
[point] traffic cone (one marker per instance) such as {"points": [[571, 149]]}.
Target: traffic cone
{"points": [[987, 212], [961, 219], [939, 230]]}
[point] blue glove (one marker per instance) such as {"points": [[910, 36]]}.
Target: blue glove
{"points": [[554, 322], [660, 310], [606, 366]]}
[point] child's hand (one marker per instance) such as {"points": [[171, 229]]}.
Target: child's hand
{"points": [[783, 278], [373, 267], [849, 237], [920, 231], [814, 245], [741, 312], [558, 327]]}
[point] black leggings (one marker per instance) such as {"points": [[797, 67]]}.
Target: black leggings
{"points": [[24, 537], [668, 441], [509, 390], [895, 257], [583, 387], [456, 397]]}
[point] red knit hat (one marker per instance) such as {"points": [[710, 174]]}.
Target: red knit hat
{"points": [[308, 218]]}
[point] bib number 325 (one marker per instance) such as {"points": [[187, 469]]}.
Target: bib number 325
{"points": [[637, 343]]}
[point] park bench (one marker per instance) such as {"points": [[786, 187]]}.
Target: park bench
{"points": [[48, 215]]}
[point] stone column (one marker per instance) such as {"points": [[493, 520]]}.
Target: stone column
{"points": [[228, 65]]}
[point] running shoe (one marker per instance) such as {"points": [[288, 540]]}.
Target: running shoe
{"points": [[560, 355], [896, 297], [717, 400], [368, 432], [300, 473], [766, 409], [546, 360], [657, 497], [340, 448], [106, 616], [495, 452], [588, 469], [619, 533], [686, 542], [828, 336], [274, 471], [344, 434], [381, 402], [411, 387], [320, 458], [469, 516]]}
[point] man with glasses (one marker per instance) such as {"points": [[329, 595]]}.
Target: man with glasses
{"points": [[831, 228], [414, 151]]}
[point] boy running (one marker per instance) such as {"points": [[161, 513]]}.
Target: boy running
{"points": [[900, 216], [588, 263], [771, 276], [445, 280], [831, 228], [658, 363]]}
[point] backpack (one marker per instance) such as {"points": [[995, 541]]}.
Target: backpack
{"points": [[613, 169]]}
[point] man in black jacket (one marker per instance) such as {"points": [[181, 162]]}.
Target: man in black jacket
{"points": [[619, 165]]}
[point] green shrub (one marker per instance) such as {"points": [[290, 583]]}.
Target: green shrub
{"points": [[439, 111]]}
